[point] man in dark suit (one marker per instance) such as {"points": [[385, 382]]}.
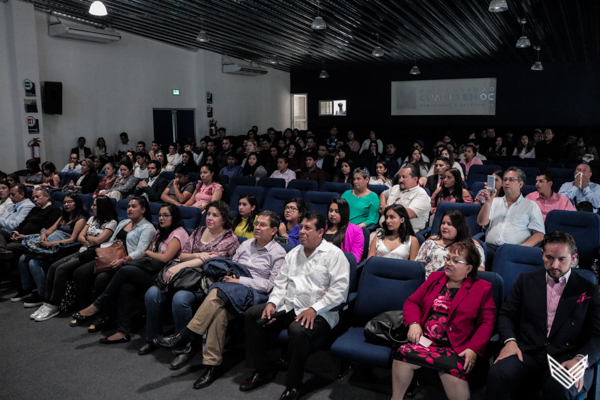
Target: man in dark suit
{"points": [[152, 187], [81, 151], [551, 312], [442, 164]]}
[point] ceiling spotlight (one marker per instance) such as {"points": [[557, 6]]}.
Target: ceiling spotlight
{"points": [[98, 8], [415, 70], [537, 66], [319, 23], [202, 37], [274, 60], [523, 41], [323, 74], [377, 51], [498, 6]]}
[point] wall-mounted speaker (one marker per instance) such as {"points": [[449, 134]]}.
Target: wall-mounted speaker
{"points": [[52, 98]]}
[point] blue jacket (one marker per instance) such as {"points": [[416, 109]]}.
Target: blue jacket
{"points": [[16, 214], [138, 239]]}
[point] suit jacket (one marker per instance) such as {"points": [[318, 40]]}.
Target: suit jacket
{"points": [[155, 191], [576, 325], [89, 183], [431, 184], [471, 315], [86, 151]]}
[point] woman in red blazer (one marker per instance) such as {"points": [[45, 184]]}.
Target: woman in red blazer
{"points": [[450, 320]]}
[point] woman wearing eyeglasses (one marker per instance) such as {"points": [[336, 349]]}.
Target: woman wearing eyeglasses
{"points": [[446, 331], [293, 210]]}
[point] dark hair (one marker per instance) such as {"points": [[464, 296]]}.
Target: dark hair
{"points": [[126, 163], [549, 176], [284, 158], [144, 155], [405, 230], [273, 218], [33, 165], [457, 191], [81, 137], [223, 209], [302, 208], [49, 166], [144, 204], [458, 221], [472, 147], [181, 169], [163, 233], [520, 174], [77, 213], [248, 169], [142, 143], [98, 142], [22, 189], [450, 154], [298, 154], [165, 161], [561, 238], [386, 174], [238, 218], [346, 149], [520, 145], [156, 164], [340, 177], [4, 182], [105, 210], [418, 164], [313, 214], [14, 177], [468, 250], [112, 164], [311, 154], [344, 210], [123, 134], [414, 172]]}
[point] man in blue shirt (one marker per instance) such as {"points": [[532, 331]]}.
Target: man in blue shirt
{"points": [[231, 169], [581, 189]]}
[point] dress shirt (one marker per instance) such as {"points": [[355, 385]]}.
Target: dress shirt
{"points": [[415, 198], [288, 175], [264, 264], [555, 202], [590, 193], [16, 214], [319, 281], [124, 148], [236, 170], [513, 225], [554, 291], [68, 168], [320, 162], [316, 174], [5, 206]]}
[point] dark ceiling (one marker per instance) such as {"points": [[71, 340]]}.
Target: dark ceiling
{"points": [[438, 32]]}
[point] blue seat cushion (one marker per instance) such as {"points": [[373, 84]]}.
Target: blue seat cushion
{"points": [[353, 347]]}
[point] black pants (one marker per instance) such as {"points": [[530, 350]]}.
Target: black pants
{"points": [[257, 340], [59, 273], [129, 282], [16, 247], [88, 285], [512, 379]]}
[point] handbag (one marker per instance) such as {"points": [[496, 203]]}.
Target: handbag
{"points": [[32, 242], [148, 264], [191, 279], [387, 328], [105, 256]]}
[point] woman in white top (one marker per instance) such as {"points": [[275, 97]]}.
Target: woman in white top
{"points": [[382, 178], [100, 148], [5, 201], [524, 148], [396, 239], [367, 143]]}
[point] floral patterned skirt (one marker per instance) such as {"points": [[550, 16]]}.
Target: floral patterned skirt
{"points": [[443, 359]]}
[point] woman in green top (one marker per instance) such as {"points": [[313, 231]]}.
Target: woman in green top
{"points": [[247, 211], [364, 204]]}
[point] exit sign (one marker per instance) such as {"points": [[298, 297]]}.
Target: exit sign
{"points": [[175, 92]]}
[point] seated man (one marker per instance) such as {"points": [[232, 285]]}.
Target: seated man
{"points": [[409, 194], [282, 171], [179, 189], [431, 183], [81, 151], [546, 198], [231, 169], [262, 257], [552, 312], [512, 218], [18, 210], [581, 189], [312, 172], [140, 170], [73, 165], [152, 187], [313, 280]]}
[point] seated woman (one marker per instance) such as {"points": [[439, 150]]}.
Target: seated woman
{"points": [[416, 159], [382, 178], [341, 232], [396, 239], [133, 279], [453, 228], [344, 174], [88, 180], [448, 153], [123, 186], [65, 230], [524, 148], [470, 158], [162, 159], [294, 155], [243, 223], [451, 190], [207, 189], [187, 160], [12, 179], [364, 204], [372, 153], [180, 189], [254, 168], [34, 177], [457, 330], [480, 198], [216, 239], [293, 211], [108, 180], [51, 178], [98, 229], [135, 233]]}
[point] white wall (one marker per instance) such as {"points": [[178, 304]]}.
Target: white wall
{"points": [[109, 88]]}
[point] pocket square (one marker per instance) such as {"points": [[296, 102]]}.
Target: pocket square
{"points": [[583, 298]]}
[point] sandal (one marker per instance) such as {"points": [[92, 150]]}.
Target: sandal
{"points": [[102, 323], [79, 319]]}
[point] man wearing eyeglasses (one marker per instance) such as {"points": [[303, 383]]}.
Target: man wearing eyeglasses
{"points": [[510, 219], [73, 165]]}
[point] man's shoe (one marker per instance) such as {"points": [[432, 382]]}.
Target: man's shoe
{"points": [[21, 295], [208, 377], [183, 359], [47, 313], [5, 254], [290, 394], [147, 348], [169, 341], [34, 301], [256, 380]]}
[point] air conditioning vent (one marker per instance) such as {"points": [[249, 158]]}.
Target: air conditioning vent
{"points": [[249, 70], [82, 33]]}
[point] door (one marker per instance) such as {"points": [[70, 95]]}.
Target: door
{"points": [[172, 125]]}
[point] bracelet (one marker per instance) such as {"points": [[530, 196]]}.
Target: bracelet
{"points": [[124, 259]]}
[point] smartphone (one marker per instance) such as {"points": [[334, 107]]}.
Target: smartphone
{"points": [[423, 341], [491, 183]]}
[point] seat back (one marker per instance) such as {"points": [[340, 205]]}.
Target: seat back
{"points": [[303, 185], [122, 209], [270, 184], [337, 187], [476, 188], [511, 260], [385, 284], [194, 177], [242, 181], [561, 176], [287, 246], [526, 189], [223, 179], [585, 229], [56, 198], [377, 189], [168, 175], [497, 286], [479, 173], [277, 198], [319, 201], [367, 235], [64, 179], [88, 200], [190, 217], [469, 210], [257, 191], [531, 173], [504, 164]]}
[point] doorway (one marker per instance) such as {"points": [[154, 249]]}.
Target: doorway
{"points": [[173, 125]]}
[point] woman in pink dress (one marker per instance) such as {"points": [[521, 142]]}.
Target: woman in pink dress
{"points": [[207, 189]]}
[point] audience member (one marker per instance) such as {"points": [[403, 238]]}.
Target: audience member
{"points": [[108, 180], [226, 151], [243, 223], [73, 165], [366, 144], [124, 146], [446, 152], [341, 232], [254, 168], [307, 304], [187, 160], [498, 188], [100, 149], [312, 172], [34, 177], [546, 198], [352, 142], [344, 171], [371, 154], [470, 159], [207, 190], [436, 180], [180, 189], [549, 149], [382, 177], [582, 189], [364, 204], [5, 200], [155, 147], [324, 161], [140, 147], [154, 185], [12, 179], [282, 171], [123, 186], [583, 150], [173, 158], [293, 212], [416, 159], [498, 150], [162, 159], [140, 170], [51, 178], [332, 139], [396, 238], [87, 182], [81, 151], [231, 169], [451, 190], [294, 155]]}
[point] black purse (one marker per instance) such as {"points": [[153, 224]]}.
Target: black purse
{"points": [[148, 264], [192, 279], [387, 328]]}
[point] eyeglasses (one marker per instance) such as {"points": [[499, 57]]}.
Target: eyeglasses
{"points": [[290, 208], [511, 180], [68, 202], [164, 215], [454, 260]]}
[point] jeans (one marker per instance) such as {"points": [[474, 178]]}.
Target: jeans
{"points": [[183, 306], [32, 273]]}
